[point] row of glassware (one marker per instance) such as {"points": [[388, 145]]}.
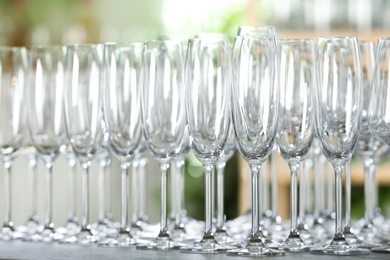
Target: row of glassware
{"points": [[210, 98]]}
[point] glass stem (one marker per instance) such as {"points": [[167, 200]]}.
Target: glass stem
{"points": [[48, 193], [32, 161], [179, 165], [264, 188], [108, 190], [8, 192], [72, 188], [135, 191], [85, 196], [293, 196], [274, 184], [142, 188], [173, 189], [164, 166], [330, 190], [101, 192], [369, 170], [338, 200], [318, 186], [302, 193], [220, 196], [208, 173], [348, 194], [124, 195], [255, 176], [374, 183]]}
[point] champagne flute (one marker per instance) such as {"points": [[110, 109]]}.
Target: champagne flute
{"points": [[83, 120], [295, 126], [339, 104], [122, 114], [255, 108], [378, 113], [370, 150], [13, 69], [163, 118], [45, 118], [207, 71]]}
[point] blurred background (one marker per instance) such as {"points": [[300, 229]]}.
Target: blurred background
{"points": [[31, 22]]}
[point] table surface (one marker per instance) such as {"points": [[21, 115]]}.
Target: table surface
{"points": [[33, 250]]}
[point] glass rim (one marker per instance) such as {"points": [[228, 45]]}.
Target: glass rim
{"points": [[295, 40]]}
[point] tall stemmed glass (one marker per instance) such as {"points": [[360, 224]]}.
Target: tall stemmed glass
{"points": [[83, 118], [255, 108], [208, 78], [379, 113], [163, 117], [339, 103], [296, 122], [13, 69], [369, 149], [122, 115], [45, 118]]}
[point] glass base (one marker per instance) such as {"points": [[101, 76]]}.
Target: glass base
{"points": [[9, 233], [208, 245], [368, 237], [223, 238], [294, 244], [382, 249], [162, 242], [339, 246], [69, 229], [84, 237], [48, 234], [122, 239], [256, 250]]}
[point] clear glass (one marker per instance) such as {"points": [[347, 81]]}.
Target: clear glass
{"points": [[207, 71], [83, 117], [296, 121], [45, 118], [13, 74], [378, 113], [370, 150], [122, 114], [255, 109], [163, 118], [339, 107]]}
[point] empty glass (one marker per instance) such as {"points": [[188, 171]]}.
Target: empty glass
{"points": [[296, 121], [122, 115], [13, 77], [379, 113], [163, 117], [255, 108], [83, 118], [208, 78], [339, 104], [45, 118]]}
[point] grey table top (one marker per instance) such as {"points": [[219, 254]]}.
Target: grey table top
{"points": [[33, 250]]}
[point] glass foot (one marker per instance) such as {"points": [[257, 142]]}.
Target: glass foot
{"points": [[162, 242], [84, 237], [255, 249], [294, 244], [381, 249], [122, 239], [339, 246], [208, 245], [368, 237], [9, 233]]}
